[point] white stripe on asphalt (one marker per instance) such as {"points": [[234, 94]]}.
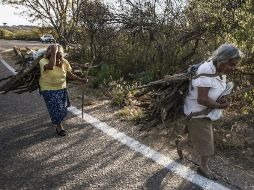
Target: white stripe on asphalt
{"points": [[7, 50], [159, 158], [8, 66]]}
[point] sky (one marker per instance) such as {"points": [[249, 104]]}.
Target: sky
{"points": [[10, 15]]}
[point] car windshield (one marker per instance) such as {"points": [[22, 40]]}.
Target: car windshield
{"points": [[48, 36]]}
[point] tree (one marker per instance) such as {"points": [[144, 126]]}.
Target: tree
{"points": [[96, 28], [158, 33], [229, 21], [62, 15]]}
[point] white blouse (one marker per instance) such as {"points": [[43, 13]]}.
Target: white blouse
{"points": [[216, 84]]}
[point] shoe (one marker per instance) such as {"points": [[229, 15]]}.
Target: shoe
{"points": [[179, 151], [211, 176], [61, 132]]}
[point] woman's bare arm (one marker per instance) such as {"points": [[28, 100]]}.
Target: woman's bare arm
{"points": [[204, 100], [52, 60], [75, 77]]}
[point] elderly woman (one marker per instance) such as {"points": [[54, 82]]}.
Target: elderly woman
{"points": [[204, 94], [54, 69]]}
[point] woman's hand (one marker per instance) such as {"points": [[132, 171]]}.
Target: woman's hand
{"points": [[75, 77], [223, 103], [54, 49], [52, 60]]}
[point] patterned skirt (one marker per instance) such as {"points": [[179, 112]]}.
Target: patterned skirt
{"points": [[57, 102]]}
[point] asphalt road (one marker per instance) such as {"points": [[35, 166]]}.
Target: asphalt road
{"points": [[9, 44]]}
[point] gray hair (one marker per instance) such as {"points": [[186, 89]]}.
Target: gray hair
{"points": [[226, 52]]}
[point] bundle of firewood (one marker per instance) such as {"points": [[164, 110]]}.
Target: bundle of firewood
{"points": [[26, 79], [27, 75], [163, 99]]}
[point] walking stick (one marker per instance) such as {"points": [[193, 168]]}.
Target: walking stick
{"points": [[83, 96]]}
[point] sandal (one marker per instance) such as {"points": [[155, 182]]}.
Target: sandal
{"points": [[61, 132], [179, 151], [208, 176]]}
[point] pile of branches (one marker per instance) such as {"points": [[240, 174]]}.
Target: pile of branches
{"points": [[163, 99], [27, 77]]}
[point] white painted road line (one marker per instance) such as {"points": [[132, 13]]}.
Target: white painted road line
{"points": [[7, 50], [159, 158], [8, 66]]}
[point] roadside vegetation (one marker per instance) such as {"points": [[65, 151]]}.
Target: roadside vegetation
{"points": [[23, 33]]}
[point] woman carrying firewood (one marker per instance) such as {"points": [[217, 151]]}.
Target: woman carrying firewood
{"points": [[203, 94], [54, 69]]}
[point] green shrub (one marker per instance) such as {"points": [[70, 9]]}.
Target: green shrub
{"points": [[33, 34], [120, 91], [27, 35], [249, 102], [6, 34], [104, 75]]}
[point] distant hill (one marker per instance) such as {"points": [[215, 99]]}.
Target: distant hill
{"points": [[23, 32], [19, 27]]}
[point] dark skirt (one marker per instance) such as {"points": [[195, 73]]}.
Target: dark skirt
{"points": [[57, 102]]}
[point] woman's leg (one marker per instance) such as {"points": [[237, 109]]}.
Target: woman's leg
{"points": [[60, 130], [64, 104], [201, 133], [204, 169], [180, 145], [59, 126], [204, 165], [182, 142], [56, 105]]}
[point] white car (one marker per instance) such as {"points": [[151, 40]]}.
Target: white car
{"points": [[48, 38]]}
